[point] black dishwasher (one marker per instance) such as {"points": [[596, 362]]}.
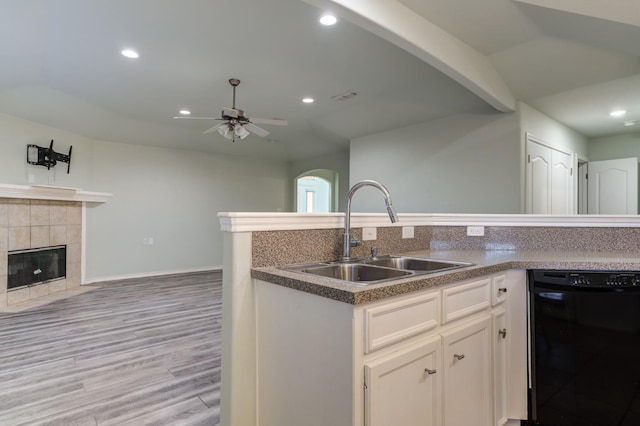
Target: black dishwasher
{"points": [[585, 348]]}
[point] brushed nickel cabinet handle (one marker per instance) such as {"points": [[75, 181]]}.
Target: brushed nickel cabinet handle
{"points": [[458, 356], [503, 333], [429, 372]]}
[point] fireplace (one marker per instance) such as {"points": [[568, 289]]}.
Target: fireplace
{"points": [[36, 266]]}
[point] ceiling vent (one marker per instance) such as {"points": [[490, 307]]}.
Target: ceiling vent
{"points": [[344, 96]]}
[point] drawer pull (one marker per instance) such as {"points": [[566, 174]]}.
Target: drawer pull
{"points": [[502, 290], [503, 333], [458, 356], [429, 372]]}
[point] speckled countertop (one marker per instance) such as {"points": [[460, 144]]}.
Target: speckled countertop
{"points": [[485, 262]]}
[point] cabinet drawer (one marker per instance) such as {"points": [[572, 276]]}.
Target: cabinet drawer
{"points": [[392, 322], [465, 299]]}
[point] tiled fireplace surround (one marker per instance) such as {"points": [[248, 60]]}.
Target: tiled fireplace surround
{"points": [[33, 223]]}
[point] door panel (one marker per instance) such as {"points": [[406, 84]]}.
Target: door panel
{"points": [[613, 186]]}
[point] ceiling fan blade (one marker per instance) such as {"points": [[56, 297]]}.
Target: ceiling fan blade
{"points": [[273, 121], [212, 129], [199, 118], [255, 129]]}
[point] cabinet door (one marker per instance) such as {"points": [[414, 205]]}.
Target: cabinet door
{"points": [[404, 388], [468, 366], [500, 336]]}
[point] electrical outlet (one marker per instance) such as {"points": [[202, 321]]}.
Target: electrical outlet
{"points": [[407, 232], [475, 231], [369, 234]]}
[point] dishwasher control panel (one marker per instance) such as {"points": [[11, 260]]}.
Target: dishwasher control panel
{"points": [[604, 279]]}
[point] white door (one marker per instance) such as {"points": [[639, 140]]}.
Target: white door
{"points": [[538, 179], [613, 186], [549, 180], [405, 387], [562, 183]]}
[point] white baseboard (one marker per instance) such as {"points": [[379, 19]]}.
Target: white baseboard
{"points": [[150, 274]]}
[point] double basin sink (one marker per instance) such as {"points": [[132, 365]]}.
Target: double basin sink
{"points": [[376, 269]]}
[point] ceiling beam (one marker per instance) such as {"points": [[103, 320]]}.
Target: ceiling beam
{"points": [[396, 23]]}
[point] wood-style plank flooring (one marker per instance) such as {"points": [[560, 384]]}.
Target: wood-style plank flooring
{"points": [[131, 352]]}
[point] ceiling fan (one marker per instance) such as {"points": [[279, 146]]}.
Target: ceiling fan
{"points": [[236, 123]]}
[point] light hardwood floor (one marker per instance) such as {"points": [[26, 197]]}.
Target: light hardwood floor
{"points": [[131, 352]]}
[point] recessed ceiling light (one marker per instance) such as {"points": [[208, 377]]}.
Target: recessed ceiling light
{"points": [[130, 53], [328, 19], [630, 123], [307, 100], [618, 113], [185, 112]]}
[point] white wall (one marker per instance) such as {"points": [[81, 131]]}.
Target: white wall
{"points": [[466, 163], [613, 147], [551, 132], [168, 194]]}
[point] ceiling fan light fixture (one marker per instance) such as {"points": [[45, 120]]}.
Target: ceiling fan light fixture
{"points": [[226, 131], [240, 131]]}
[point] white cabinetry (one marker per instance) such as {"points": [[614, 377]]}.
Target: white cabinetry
{"points": [[405, 388], [499, 341], [426, 358], [468, 374]]}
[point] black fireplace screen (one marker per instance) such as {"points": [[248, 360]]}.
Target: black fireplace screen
{"points": [[27, 267]]}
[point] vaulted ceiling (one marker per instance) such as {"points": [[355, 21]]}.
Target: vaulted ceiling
{"points": [[61, 66]]}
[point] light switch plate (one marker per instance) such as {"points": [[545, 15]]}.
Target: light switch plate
{"points": [[407, 232], [369, 234]]}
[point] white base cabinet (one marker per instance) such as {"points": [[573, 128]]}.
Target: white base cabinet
{"points": [[449, 356], [468, 374], [405, 388]]}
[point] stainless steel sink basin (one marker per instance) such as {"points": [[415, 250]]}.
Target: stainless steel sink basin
{"points": [[374, 270], [419, 265], [355, 272]]}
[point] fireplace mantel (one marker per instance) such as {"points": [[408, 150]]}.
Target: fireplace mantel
{"points": [[47, 192]]}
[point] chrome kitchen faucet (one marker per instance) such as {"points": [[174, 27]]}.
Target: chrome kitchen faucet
{"points": [[348, 242]]}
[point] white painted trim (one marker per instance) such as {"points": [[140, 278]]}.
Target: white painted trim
{"points": [[58, 193], [249, 222], [151, 274], [83, 245]]}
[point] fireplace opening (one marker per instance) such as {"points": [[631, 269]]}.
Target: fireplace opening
{"points": [[35, 266]]}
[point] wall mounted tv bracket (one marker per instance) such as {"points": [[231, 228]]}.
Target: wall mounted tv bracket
{"points": [[39, 156]]}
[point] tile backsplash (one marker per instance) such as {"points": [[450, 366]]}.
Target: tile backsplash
{"points": [[26, 224], [274, 248]]}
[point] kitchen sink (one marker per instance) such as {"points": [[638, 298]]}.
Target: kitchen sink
{"points": [[378, 269], [353, 272], [419, 265]]}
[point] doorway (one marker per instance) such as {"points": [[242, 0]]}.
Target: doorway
{"points": [[315, 191]]}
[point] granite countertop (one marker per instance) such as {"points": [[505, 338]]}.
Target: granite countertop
{"points": [[485, 262]]}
